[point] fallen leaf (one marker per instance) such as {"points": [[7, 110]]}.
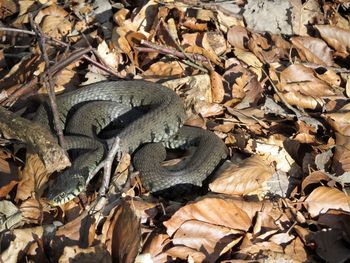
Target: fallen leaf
{"points": [[207, 238], [324, 198], [247, 178], [211, 210], [315, 50]]}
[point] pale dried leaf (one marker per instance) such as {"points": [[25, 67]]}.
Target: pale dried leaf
{"points": [[109, 57], [10, 216], [217, 87], [251, 60], [315, 50], [211, 210], [324, 198], [55, 26], [297, 250], [91, 254], [305, 14], [204, 237], [337, 38], [247, 178], [237, 36], [33, 178], [184, 253], [22, 237], [164, 69]]}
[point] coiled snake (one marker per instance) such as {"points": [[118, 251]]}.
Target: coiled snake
{"points": [[86, 111]]}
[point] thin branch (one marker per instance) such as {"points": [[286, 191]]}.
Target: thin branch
{"points": [[61, 43], [106, 164], [169, 51], [48, 73]]}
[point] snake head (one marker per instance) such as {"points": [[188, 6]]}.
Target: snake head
{"points": [[66, 187]]}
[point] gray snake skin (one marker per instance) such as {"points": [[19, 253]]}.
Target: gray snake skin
{"points": [[86, 111]]}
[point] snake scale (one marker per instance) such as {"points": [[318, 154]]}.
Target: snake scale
{"points": [[86, 111]]}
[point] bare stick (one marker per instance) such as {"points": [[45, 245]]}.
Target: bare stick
{"points": [[106, 164], [61, 43], [48, 73]]}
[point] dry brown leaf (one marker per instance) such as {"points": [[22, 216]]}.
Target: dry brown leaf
{"points": [[337, 38], [143, 19], [272, 150], [91, 254], [314, 178], [125, 240], [11, 217], [110, 58], [81, 229], [52, 10], [262, 248], [305, 14], [315, 50], [251, 60], [120, 16], [31, 211], [207, 109], [19, 244], [341, 157], [330, 76], [226, 21], [184, 253], [246, 179], [204, 237], [237, 36], [296, 250], [282, 238], [212, 210], [164, 69], [198, 94], [193, 24], [215, 41], [267, 51], [209, 54], [55, 26], [7, 8], [155, 244], [302, 88], [33, 178], [144, 210], [340, 120], [8, 174], [24, 8], [324, 198]]}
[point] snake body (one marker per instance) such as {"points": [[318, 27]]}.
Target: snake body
{"points": [[86, 111]]}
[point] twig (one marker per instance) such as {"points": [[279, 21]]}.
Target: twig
{"points": [[48, 73], [61, 43], [176, 40], [169, 51], [106, 164], [22, 90]]}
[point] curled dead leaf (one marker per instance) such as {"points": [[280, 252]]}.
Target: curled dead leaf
{"points": [[315, 50], [324, 198], [32, 178], [245, 179], [206, 238], [337, 38], [222, 212]]}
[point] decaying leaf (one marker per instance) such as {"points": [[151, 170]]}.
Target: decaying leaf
{"points": [[246, 179], [324, 198]]}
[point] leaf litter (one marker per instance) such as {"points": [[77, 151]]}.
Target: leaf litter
{"points": [[276, 92]]}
